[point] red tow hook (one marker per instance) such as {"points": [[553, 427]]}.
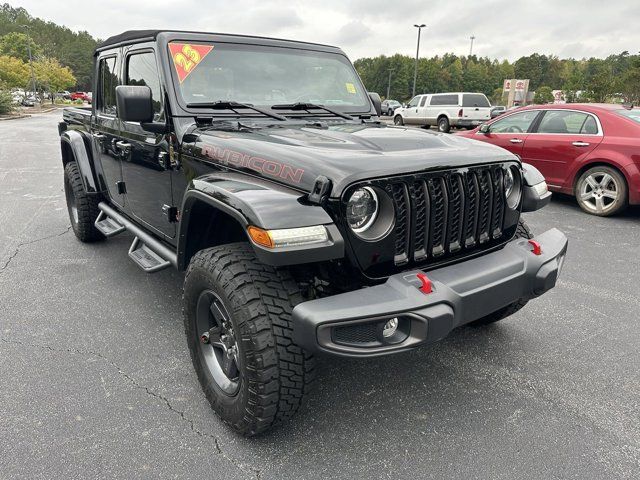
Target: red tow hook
{"points": [[427, 286], [537, 248]]}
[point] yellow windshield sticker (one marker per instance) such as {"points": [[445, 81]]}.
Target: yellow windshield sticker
{"points": [[186, 57], [351, 88]]}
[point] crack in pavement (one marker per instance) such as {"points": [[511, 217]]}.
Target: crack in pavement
{"points": [[22, 244], [256, 472]]}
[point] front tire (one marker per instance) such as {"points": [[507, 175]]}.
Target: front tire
{"points": [[398, 120], [227, 289], [522, 231], [602, 191], [83, 209]]}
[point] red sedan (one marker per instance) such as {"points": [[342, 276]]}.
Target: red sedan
{"points": [[591, 151], [80, 96]]}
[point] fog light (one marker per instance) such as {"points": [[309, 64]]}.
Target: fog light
{"points": [[390, 328]]}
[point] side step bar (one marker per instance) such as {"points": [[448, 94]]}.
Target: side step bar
{"points": [[146, 251]]}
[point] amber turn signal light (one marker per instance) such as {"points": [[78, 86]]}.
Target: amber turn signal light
{"points": [[260, 236]]}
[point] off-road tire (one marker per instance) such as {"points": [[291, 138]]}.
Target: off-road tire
{"points": [[522, 231], [275, 374], [443, 125], [87, 205]]}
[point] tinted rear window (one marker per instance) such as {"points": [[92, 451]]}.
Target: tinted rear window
{"points": [[633, 114], [475, 100], [444, 100]]}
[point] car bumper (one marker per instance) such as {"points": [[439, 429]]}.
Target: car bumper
{"points": [[461, 122], [350, 324]]}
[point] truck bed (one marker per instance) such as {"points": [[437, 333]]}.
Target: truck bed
{"points": [[80, 117]]}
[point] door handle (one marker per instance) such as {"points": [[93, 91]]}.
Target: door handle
{"points": [[515, 140], [580, 144]]}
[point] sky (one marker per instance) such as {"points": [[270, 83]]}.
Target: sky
{"points": [[364, 28]]}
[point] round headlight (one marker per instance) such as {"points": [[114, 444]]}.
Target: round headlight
{"points": [[512, 187], [362, 209]]}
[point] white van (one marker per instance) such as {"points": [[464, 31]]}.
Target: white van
{"points": [[446, 110]]}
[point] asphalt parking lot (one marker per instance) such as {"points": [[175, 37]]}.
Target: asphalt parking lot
{"points": [[96, 380]]}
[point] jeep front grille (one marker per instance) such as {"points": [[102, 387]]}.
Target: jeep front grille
{"points": [[445, 213]]}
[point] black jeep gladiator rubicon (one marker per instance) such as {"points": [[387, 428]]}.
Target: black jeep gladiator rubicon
{"points": [[304, 224]]}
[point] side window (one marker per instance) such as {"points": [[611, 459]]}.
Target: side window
{"points": [[562, 121], [444, 100], [107, 87], [423, 101], [590, 126], [413, 102], [516, 123], [475, 100], [143, 70]]}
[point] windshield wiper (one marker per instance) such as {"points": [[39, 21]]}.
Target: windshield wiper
{"points": [[234, 106], [308, 107]]}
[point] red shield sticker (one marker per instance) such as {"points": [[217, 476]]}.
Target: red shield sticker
{"points": [[187, 56]]}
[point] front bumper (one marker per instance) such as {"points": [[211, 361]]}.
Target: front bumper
{"points": [[350, 324]]}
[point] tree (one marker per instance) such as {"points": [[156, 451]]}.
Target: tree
{"points": [[15, 44], [629, 86], [543, 95], [5, 101], [14, 73], [52, 76]]}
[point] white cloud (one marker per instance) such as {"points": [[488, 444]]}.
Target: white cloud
{"points": [[503, 28]]}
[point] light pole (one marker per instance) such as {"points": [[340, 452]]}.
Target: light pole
{"points": [[415, 70], [472, 38], [389, 85], [33, 77]]}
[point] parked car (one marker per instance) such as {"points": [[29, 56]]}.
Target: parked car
{"points": [[445, 110], [497, 110], [80, 96], [28, 101], [301, 227], [65, 95], [586, 150], [389, 106]]}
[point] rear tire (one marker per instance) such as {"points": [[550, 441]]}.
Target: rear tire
{"points": [[274, 375], [522, 231], [602, 191], [443, 125], [398, 120], [83, 208]]}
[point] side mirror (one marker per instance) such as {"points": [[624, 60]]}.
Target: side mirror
{"points": [[377, 102], [484, 128], [134, 103]]}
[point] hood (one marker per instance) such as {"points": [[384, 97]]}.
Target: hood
{"points": [[345, 153]]}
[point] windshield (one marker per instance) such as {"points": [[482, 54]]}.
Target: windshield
{"points": [[265, 76], [633, 114]]}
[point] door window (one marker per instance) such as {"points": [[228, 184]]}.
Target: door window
{"points": [[108, 78], [566, 122], [143, 70], [413, 102], [516, 123]]}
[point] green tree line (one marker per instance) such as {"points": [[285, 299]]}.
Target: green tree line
{"points": [[49, 43], [615, 78]]}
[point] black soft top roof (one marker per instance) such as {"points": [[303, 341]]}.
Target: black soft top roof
{"points": [[131, 36]]}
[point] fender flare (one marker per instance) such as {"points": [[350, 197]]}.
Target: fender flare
{"points": [[83, 156], [263, 205]]}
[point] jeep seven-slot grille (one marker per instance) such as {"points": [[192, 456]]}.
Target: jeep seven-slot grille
{"points": [[442, 214]]}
